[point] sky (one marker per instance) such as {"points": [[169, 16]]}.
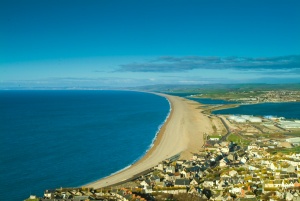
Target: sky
{"points": [[116, 43]]}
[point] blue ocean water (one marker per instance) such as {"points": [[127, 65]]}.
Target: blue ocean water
{"points": [[289, 110], [51, 139]]}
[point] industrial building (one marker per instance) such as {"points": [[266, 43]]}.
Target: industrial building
{"points": [[293, 140], [244, 118], [255, 119], [237, 119], [289, 124]]}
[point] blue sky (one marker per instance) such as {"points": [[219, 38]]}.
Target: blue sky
{"points": [[58, 43]]}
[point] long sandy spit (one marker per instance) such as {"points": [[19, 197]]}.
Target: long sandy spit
{"points": [[182, 133]]}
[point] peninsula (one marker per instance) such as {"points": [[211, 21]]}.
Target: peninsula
{"points": [[181, 134], [198, 156]]}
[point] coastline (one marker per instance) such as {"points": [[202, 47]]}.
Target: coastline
{"points": [[158, 136], [182, 133], [154, 143]]}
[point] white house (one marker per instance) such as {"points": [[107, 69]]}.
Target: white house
{"points": [[273, 167], [243, 160], [184, 173], [195, 182], [208, 183], [170, 169], [222, 163], [236, 190], [232, 173], [160, 167], [225, 176], [225, 150], [252, 146], [169, 176], [144, 184], [250, 167]]}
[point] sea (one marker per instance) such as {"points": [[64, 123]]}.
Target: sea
{"points": [[53, 139]]}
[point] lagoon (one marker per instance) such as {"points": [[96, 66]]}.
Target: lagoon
{"points": [[289, 110]]}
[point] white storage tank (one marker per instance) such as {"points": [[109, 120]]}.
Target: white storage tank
{"points": [[255, 119], [232, 117], [247, 117], [240, 120]]}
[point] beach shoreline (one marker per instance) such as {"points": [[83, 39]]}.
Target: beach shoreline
{"points": [[182, 133]]}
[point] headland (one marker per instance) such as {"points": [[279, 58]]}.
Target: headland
{"points": [[181, 134]]}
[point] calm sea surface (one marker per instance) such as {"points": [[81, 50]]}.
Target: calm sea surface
{"points": [[51, 139]]}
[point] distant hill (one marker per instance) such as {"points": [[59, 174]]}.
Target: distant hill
{"points": [[208, 88]]}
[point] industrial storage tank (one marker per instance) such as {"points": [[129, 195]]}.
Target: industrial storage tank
{"points": [[240, 120], [255, 119], [232, 117], [247, 117]]}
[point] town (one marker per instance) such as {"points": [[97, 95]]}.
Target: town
{"points": [[269, 96], [254, 96], [248, 158]]}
